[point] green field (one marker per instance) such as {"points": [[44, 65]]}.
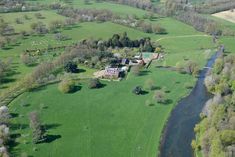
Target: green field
{"points": [[105, 122], [48, 16]]}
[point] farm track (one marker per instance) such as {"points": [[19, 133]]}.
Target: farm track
{"points": [[181, 36]]}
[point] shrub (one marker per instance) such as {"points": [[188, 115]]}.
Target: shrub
{"points": [[66, 86], [136, 70], [71, 67], [137, 90], [149, 84], [94, 83], [160, 96], [28, 60]]}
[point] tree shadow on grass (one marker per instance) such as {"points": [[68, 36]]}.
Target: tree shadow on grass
{"points": [[167, 102], [51, 126], [14, 115], [51, 138], [144, 73], [81, 70], [8, 80], [144, 92], [38, 89], [18, 126], [71, 27], [12, 142]]}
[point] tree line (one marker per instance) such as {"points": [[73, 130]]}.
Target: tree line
{"points": [[89, 15], [186, 13]]}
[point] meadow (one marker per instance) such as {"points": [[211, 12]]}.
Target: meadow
{"points": [[110, 121], [47, 17]]}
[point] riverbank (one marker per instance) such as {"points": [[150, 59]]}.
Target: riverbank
{"points": [[178, 132]]}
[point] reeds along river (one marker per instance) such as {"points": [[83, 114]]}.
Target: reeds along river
{"points": [[179, 130]]}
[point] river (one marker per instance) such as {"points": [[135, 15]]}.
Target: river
{"points": [[179, 130]]}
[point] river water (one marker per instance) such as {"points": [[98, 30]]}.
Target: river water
{"points": [[178, 133]]}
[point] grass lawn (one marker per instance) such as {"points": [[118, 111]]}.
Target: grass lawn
{"points": [[25, 26], [110, 121]]}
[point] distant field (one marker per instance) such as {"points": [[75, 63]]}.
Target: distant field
{"points": [[226, 15], [11, 17]]}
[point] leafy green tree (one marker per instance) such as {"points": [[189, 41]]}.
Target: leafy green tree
{"points": [[94, 83], [71, 67], [37, 128], [66, 86]]}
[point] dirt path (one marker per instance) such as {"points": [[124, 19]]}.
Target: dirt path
{"points": [[182, 36]]}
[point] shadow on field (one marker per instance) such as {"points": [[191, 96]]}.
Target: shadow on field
{"points": [[14, 115], [167, 102], [51, 138], [144, 73], [144, 92], [18, 126], [51, 126]]}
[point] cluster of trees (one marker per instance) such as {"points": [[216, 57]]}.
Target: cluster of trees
{"points": [[4, 131], [186, 13], [120, 41], [216, 131], [142, 4], [189, 67], [87, 14], [27, 59], [39, 28], [54, 27], [18, 6], [5, 28], [142, 25], [106, 15], [215, 6]]}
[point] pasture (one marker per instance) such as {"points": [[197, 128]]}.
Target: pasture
{"points": [[110, 121], [47, 17]]}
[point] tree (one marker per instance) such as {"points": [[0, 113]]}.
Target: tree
{"points": [[4, 115], [66, 86], [192, 68], [136, 70], [39, 28], [160, 96], [38, 15], [71, 67], [28, 60], [37, 128], [149, 84], [4, 134], [137, 90], [54, 25], [94, 83], [218, 66]]}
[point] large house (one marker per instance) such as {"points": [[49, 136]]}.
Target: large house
{"points": [[112, 72]]}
